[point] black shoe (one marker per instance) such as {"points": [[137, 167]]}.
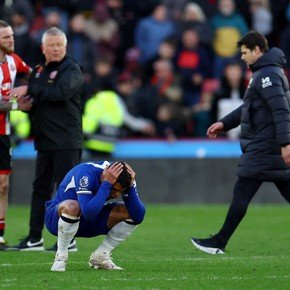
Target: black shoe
{"points": [[29, 244], [210, 245], [3, 245], [72, 247]]}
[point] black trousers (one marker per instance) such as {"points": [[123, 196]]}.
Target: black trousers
{"points": [[244, 191], [51, 167]]}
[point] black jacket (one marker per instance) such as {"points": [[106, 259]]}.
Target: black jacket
{"points": [[57, 113], [264, 119]]}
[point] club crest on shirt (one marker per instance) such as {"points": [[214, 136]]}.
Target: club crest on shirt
{"points": [[12, 67], [84, 181], [53, 75]]}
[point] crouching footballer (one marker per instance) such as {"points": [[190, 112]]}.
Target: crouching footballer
{"points": [[80, 208]]}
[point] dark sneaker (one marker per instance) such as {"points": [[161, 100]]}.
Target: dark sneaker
{"points": [[3, 244], [72, 247], [3, 247], [29, 244], [210, 245]]}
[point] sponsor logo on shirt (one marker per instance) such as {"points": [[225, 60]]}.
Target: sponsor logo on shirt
{"points": [[266, 82], [5, 91], [6, 86]]}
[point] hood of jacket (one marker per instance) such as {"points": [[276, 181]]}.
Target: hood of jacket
{"points": [[274, 56]]}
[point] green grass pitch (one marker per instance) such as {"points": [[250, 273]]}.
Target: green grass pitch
{"points": [[159, 254]]}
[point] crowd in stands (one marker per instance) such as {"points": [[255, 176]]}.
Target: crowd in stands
{"points": [[173, 67]]}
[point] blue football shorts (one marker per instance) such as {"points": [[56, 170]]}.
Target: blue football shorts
{"points": [[87, 229]]}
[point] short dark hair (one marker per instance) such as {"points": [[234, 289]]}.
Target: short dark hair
{"points": [[253, 39], [3, 24], [124, 178]]}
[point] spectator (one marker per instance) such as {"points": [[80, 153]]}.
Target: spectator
{"points": [[79, 45], [262, 18], [81, 48], [228, 26], [208, 6], [150, 32], [145, 98], [273, 13], [104, 115], [199, 114], [174, 9], [23, 41], [131, 61], [194, 17], [102, 121], [65, 8], [193, 65], [133, 123], [104, 76], [166, 51], [103, 31], [51, 19], [125, 14], [166, 82], [25, 8], [168, 101], [230, 95], [279, 20], [170, 121]]}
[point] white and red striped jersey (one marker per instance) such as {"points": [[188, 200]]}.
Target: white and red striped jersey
{"points": [[8, 70]]}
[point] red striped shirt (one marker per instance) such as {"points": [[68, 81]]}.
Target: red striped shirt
{"points": [[8, 70]]}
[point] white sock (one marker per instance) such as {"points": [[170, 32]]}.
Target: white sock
{"points": [[67, 228], [115, 236]]}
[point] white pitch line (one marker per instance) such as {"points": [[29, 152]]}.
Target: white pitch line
{"points": [[209, 278], [211, 258]]}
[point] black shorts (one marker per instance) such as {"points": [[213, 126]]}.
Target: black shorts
{"points": [[5, 154]]}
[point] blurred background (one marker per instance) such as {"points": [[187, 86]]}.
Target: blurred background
{"points": [[173, 68]]}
